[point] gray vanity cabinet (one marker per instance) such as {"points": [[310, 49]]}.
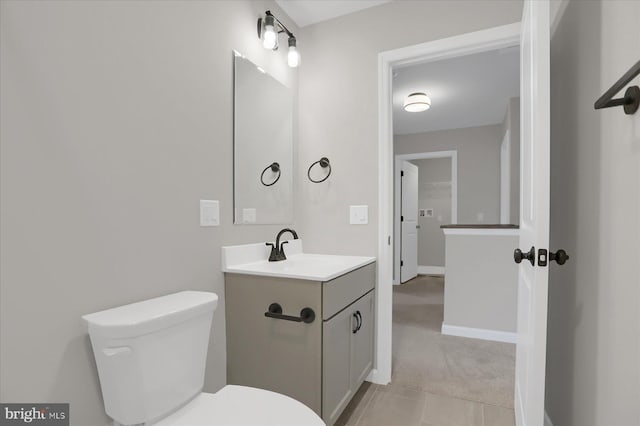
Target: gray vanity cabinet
{"points": [[321, 363]]}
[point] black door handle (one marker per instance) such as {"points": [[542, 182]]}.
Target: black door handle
{"points": [[355, 330], [519, 255], [560, 257], [359, 320], [275, 311]]}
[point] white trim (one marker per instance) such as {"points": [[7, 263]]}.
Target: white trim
{"points": [[430, 270], [496, 232], [547, 419], [464, 44], [453, 154], [479, 333], [505, 178]]}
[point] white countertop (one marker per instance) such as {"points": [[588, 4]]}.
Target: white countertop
{"points": [[252, 259]]}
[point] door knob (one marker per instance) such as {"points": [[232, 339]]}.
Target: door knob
{"points": [[560, 257], [519, 255]]}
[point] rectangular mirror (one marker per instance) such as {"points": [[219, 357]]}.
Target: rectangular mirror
{"points": [[262, 146]]}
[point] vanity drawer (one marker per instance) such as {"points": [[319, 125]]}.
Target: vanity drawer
{"points": [[342, 291]]}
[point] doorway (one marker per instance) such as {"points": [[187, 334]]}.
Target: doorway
{"points": [[424, 213], [480, 41]]}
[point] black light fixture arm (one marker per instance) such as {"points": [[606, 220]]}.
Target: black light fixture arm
{"points": [[283, 28], [631, 99]]}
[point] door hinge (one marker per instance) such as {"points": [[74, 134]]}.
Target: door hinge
{"points": [[389, 240], [402, 263], [401, 218], [401, 173]]}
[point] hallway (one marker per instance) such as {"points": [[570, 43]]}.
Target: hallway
{"points": [[437, 380]]}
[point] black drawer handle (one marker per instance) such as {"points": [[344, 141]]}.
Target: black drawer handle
{"points": [[275, 311]]}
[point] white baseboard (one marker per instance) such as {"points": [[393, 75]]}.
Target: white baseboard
{"points": [[431, 270], [376, 377], [547, 419], [479, 333]]}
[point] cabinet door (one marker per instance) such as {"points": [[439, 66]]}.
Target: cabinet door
{"points": [[362, 341], [269, 353], [336, 362]]}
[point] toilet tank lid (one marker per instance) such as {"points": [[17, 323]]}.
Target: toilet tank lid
{"points": [[150, 315]]}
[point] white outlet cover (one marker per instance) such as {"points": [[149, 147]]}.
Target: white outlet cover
{"points": [[209, 213], [249, 215], [358, 215]]}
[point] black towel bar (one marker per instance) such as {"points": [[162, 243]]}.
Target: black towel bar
{"points": [[631, 99]]}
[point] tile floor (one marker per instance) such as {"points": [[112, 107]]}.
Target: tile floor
{"points": [[436, 380]]}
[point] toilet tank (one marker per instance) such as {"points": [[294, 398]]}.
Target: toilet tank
{"points": [[151, 355]]}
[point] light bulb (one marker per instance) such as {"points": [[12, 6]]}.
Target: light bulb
{"points": [[269, 34], [270, 37], [293, 57]]}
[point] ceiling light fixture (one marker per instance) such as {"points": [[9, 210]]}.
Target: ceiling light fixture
{"points": [[269, 28], [417, 102]]}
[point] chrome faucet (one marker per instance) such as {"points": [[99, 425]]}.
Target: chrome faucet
{"points": [[277, 250]]}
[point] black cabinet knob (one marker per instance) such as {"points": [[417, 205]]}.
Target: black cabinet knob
{"points": [[560, 257], [519, 255]]}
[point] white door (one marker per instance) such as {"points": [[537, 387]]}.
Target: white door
{"points": [[409, 222], [534, 213]]}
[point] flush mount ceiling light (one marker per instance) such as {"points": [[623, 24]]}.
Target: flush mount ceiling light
{"points": [[269, 28], [417, 102]]}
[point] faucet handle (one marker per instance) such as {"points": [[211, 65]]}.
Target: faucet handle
{"points": [[274, 252], [282, 255]]}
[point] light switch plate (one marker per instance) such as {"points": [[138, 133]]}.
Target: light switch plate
{"points": [[209, 213], [358, 215]]}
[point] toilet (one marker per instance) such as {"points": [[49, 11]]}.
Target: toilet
{"points": [[151, 359]]}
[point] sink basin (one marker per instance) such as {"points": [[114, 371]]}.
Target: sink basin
{"points": [[252, 259]]}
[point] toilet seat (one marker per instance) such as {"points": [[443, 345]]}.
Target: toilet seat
{"points": [[243, 406]]}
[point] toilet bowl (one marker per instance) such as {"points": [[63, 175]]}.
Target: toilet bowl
{"points": [[241, 405], [151, 359]]}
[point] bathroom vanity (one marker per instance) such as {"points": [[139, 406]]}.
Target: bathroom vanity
{"points": [[302, 327]]}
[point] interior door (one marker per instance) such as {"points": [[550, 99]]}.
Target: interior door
{"points": [[534, 213], [409, 222]]}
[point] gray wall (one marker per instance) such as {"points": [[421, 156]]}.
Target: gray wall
{"points": [[481, 282], [116, 119], [593, 374], [338, 95], [511, 123], [478, 166], [434, 192]]}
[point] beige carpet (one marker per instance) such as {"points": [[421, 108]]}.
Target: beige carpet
{"points": [[424, 359]]}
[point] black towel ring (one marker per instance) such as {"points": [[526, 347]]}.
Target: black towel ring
{"points": [[324, 163], [275, 167]]}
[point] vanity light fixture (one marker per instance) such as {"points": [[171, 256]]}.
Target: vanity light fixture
{"points": [[417, 102], [269, 28]]}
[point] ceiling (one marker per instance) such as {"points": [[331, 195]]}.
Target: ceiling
{"points": [[467, 91], [307, 12]]}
